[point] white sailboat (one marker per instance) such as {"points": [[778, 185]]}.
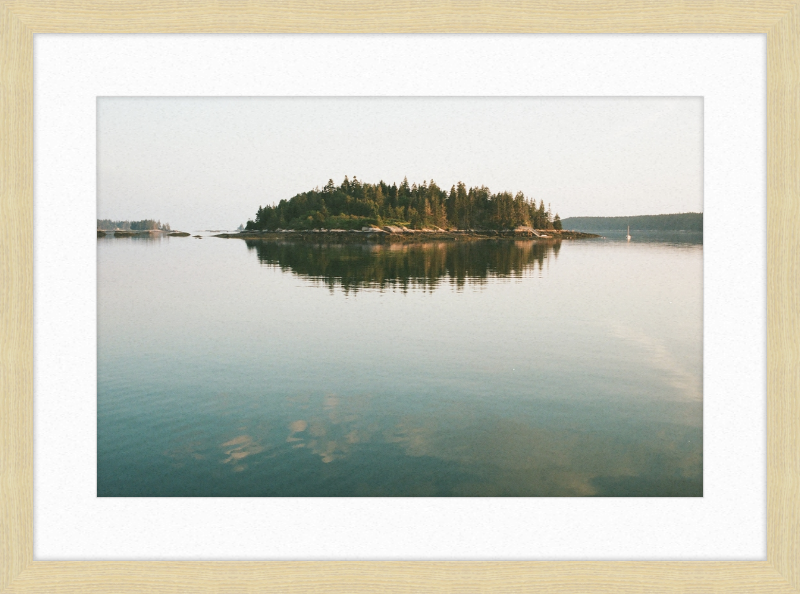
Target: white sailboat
{"points": [[629, 232]]}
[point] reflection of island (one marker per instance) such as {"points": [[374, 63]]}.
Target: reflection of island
{"points": [[357, 266]]}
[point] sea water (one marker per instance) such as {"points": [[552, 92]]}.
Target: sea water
{"points": [[460, 368]]}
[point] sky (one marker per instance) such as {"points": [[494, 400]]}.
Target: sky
{"points": [[209, 162]]}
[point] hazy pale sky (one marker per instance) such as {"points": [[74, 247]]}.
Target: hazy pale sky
{"points": [[209, 163]]}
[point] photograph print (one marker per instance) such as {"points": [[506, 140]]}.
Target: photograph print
{"points": [[399, 297]]}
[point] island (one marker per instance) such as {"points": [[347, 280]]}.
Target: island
{"points": [[143, 228], [354, 211]]}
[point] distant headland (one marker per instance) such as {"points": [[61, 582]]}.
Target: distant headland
{"points": [[684, 221]]}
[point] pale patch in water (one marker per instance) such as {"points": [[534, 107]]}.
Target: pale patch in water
{"points": [[296, 427], [237, 440], [239, 448]]}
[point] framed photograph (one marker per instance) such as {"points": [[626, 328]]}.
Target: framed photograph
{"points": [[392, 312], [416, 336]]}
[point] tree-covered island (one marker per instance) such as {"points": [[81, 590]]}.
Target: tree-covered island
{"points": [[144, 225], [135, 228], [354, 205]]}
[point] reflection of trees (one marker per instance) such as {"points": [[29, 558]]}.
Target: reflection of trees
{"points": [[424, 265]]}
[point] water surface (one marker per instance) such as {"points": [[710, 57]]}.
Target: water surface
{"points": [[495, 368]]}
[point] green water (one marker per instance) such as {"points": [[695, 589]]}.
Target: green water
{"points": [[233, 368]]}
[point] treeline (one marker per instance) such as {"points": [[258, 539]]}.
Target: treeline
{"points": [[145, 225], [685, 221], [354, 204]]}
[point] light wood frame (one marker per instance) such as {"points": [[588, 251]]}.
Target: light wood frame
{"points": [[19, 20]]}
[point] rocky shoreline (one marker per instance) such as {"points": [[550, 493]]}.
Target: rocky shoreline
{"points": [[398, 234]]}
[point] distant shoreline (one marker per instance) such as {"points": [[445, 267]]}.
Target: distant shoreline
{"points": [[409, 235], [127, 233], [682, 221]]}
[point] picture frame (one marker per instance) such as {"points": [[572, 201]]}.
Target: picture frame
{"points": [[780, 21]]}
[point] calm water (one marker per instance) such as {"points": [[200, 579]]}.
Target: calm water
{"points": [[233, 368]]}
